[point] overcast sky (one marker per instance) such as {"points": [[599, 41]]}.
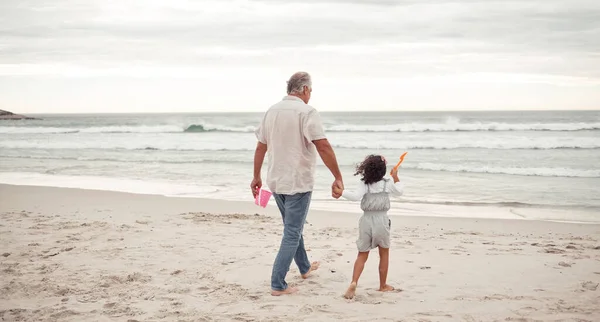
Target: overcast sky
{"points": [[196, 56]]}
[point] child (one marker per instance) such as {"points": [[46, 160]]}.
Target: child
{"points": [[374, 225]]}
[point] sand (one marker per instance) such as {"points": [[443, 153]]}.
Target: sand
{"points": [[82, 255]]}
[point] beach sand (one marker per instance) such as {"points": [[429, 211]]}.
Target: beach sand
{"points": [[82, 255]]}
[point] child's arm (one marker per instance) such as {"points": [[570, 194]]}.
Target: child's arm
{"points": [[354, 195], [395, 188]]}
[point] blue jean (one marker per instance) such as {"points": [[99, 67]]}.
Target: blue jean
{"points": [[294, 209]]}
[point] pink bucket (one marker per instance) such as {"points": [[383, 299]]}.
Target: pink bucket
{"points": [[262, 198]]}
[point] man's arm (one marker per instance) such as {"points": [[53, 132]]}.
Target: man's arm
{"points": [[328, 156], [259, 157], [313, 132]]}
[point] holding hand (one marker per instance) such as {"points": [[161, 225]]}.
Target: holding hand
{"points": [[337, 188]]}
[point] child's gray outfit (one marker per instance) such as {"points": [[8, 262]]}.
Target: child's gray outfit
{"points": [[374, 225]]}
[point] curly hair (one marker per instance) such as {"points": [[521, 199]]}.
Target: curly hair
{"points": [[372, 169]]}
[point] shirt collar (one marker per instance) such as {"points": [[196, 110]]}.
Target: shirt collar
{"points": [[292, 98]]}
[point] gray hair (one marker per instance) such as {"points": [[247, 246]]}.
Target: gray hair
{"points": [[297, 82]]}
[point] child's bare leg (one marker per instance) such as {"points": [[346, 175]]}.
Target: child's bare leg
{"points": [[359, 266], [384, 263]]}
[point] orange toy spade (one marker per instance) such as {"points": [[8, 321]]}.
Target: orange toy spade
{"points": [[399, 162]]}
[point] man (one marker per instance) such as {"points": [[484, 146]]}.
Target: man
{"points": [[292, 132]]}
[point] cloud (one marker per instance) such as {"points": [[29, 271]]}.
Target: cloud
{"points": [[265, 24], [520, 42]]}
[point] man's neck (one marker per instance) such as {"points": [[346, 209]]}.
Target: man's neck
{"points": [[300, 97]]}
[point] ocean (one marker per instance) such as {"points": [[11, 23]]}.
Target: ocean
{"points": [[522, 165]]}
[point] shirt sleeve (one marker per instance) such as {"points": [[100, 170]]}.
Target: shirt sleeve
{"points": [[355, 195], [260, 132], [313, 127], [395, 189]]}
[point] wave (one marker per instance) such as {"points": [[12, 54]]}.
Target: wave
{"points": [[128, 159], [34, 130], [133, 129], [408, 127], [536, 172], [500, 204], [194, 128], [511, 204], [116, 145], [464, 127], [95, 129], [238, 144], [199, 128], [507, 145], [425, 166]]}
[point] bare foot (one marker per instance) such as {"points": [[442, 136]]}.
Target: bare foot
{"points": [[386, 288], [313, 267], [289, 290], [351, 291]]}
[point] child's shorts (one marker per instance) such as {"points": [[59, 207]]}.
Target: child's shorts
{"points": [[373, 231]]}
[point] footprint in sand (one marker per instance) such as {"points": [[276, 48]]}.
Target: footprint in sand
{"points": [[63, 314], [553, 250], [254, 297], [366, 299], [589, 286], [306, 309], [267, 307]]}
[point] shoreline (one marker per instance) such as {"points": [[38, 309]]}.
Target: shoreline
{"points": [[233, 207], [408, 209]]}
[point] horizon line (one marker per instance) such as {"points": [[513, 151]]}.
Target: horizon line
{"points": [[353, 111]]}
